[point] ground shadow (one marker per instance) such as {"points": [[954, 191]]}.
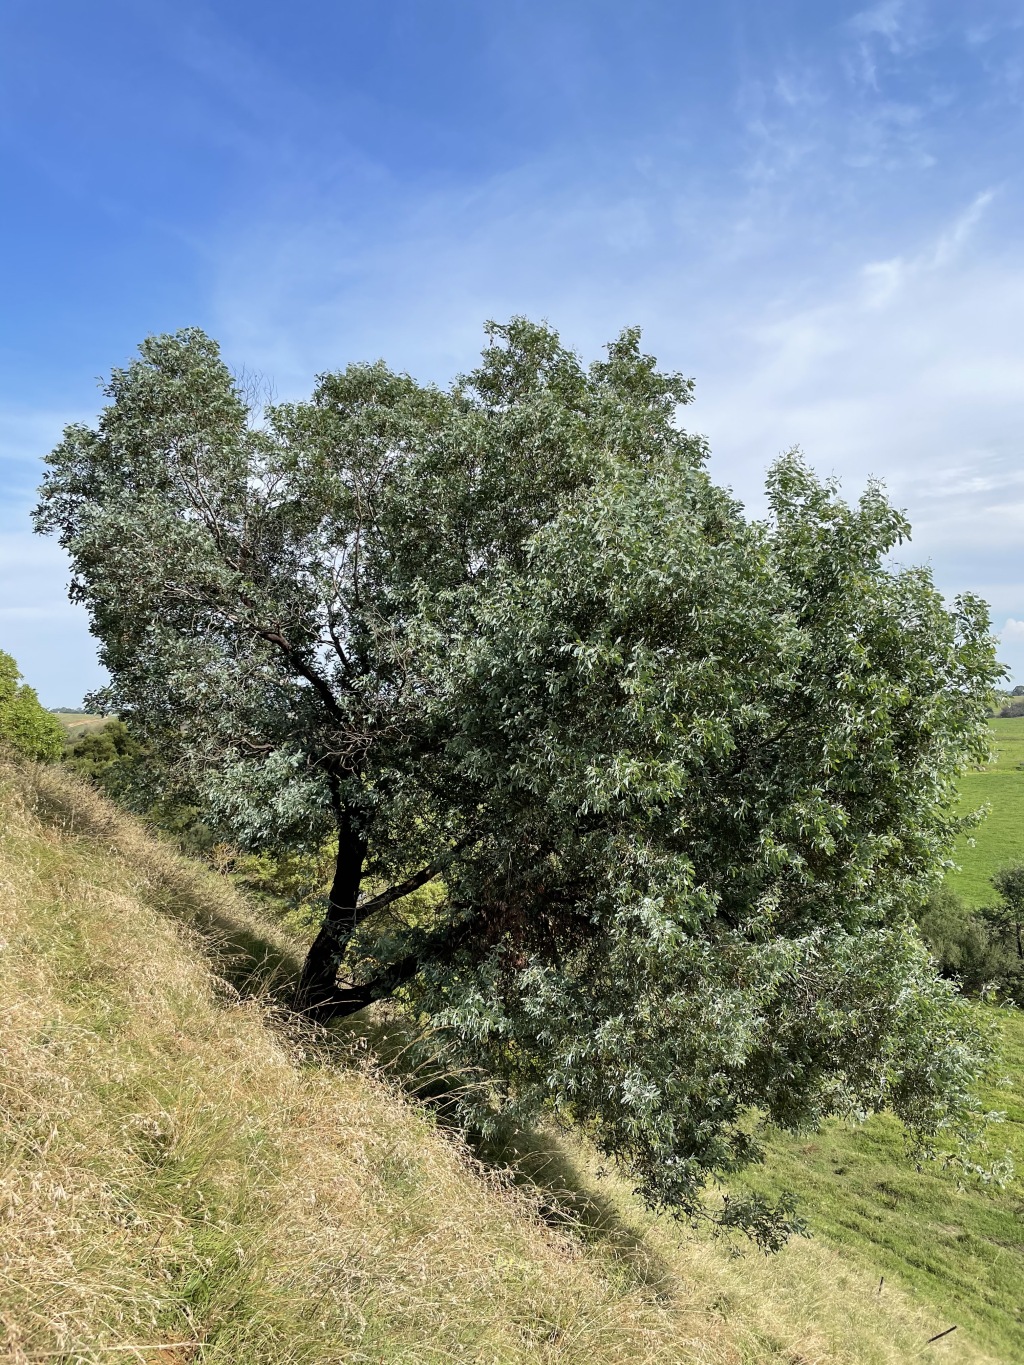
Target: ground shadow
{"points": [[255, 959], [539, 1161]]}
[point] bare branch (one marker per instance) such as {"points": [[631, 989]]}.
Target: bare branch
{"points": [[304, 669], [413, 883]]}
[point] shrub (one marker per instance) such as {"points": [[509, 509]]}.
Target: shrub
{"points": [[100, 753], [25, 725], [972, 947]]}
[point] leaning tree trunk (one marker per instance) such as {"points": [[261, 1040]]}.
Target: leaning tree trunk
{"points": [[317, 989], [318, 995]]}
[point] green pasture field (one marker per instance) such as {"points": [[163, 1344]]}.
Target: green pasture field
{"points": [[79, 723], [960, 1249], [999, 839]]}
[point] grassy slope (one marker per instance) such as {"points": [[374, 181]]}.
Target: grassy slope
{"points": [[961, 1250], [182, 1181], [77, 724], [1000, 838]]}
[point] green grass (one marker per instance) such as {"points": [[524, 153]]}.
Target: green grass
{"points": [[999, 838], [960, 1249], [173, 1170]]}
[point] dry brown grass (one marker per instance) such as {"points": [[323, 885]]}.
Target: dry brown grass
{"points": [[182, 1182]]}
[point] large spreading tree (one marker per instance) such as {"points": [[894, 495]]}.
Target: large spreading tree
{"points": [[679, 777]]}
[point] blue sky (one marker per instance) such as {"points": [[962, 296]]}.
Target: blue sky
{"points": [[815, 209]]}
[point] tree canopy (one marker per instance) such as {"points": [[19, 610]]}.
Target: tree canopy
{"points": [[25, 726], [680, 776]]}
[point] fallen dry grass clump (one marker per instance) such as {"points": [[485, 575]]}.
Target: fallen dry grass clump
{"points": [[184, 1179]]}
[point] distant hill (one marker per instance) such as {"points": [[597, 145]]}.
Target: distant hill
{"points": [[78, 723]]}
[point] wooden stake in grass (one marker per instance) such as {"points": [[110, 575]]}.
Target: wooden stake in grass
{"points": [[939, 1335]]}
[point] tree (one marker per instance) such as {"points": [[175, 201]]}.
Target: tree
{"points": [[25, 726], [101, 754], [970, 946], [679, 777], [1007, 918]]}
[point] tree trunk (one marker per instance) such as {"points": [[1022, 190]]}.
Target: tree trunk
{"points": [[351, 999], [318, 982]]}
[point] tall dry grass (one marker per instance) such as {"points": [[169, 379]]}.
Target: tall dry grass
{"points": [[185, 1179]]}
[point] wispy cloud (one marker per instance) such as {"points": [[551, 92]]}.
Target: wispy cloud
{"points": [[909, 370], [884, 32], [884, 279], [26, 434], [895, 23], [823, 232]]}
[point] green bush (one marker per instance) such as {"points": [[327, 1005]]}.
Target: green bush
{"points": [[103, 753], [25, 725], [114, 760], [1006, 920], [976, 948]]}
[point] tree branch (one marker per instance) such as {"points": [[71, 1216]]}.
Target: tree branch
{"points": [[338, 648], [304, 669], [351, 999], [413, 883]]}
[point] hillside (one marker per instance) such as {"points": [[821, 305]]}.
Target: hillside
{"points": [[1000, 837], [961, 1249], [186, 1181], [79, 723]]}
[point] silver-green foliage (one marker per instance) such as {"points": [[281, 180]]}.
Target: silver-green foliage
{"points": [[684, 774]]}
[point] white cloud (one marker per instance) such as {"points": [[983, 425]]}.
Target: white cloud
{"points": [[951, 242], [908, 369], [1012, 632], [887, 20]]}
